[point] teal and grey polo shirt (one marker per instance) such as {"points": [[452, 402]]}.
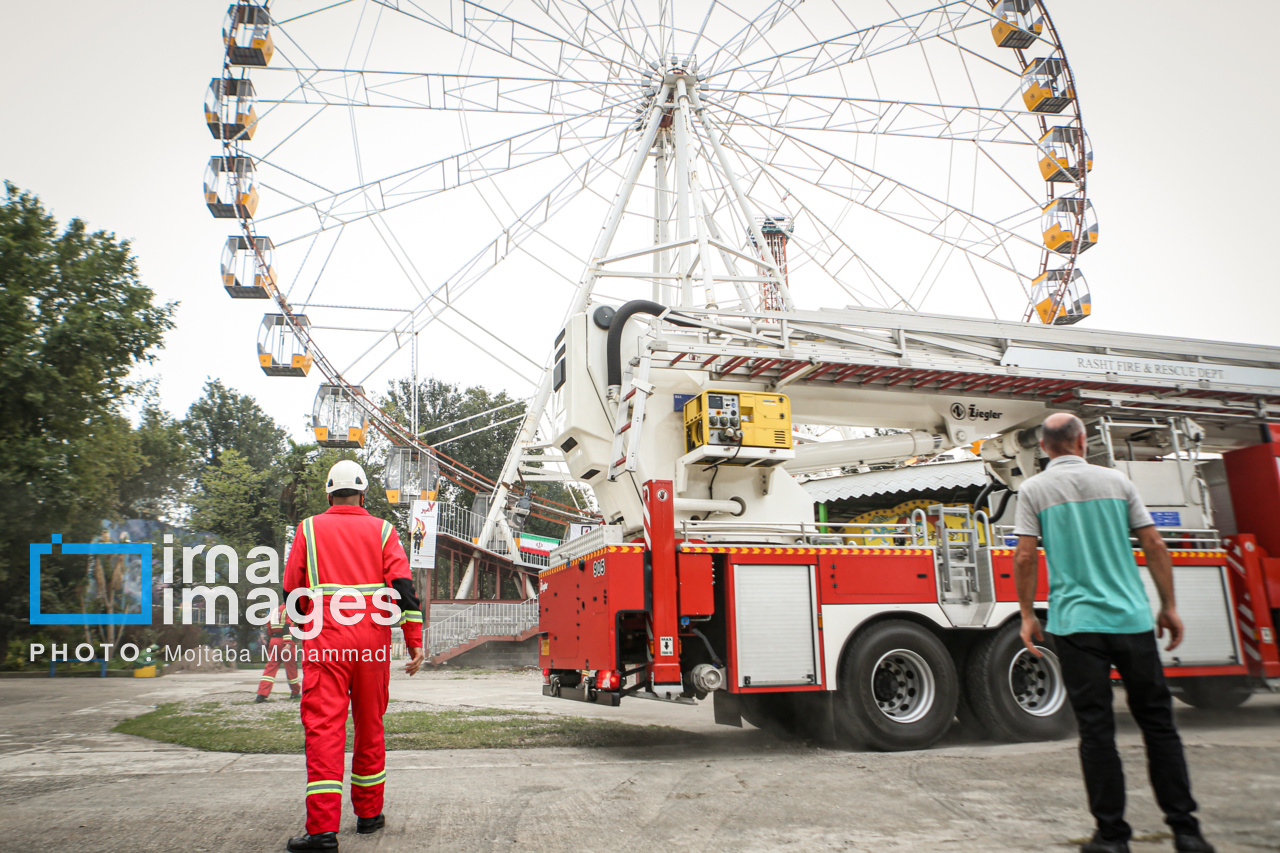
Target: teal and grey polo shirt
{"points": [[1083, 514]]}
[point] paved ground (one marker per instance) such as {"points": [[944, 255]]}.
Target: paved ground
{"points": [[68, 783]]}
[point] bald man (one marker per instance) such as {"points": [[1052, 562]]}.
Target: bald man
{"points": [[1099, 617]]}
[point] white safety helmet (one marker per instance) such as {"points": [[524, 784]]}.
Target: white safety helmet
{"points": [[346, 475]]}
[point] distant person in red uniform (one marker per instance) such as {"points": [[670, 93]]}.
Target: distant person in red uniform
{"points": [[280, 649], [346, 548]]}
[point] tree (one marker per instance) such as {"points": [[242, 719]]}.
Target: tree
{"points": [[476, 427], [165, 462], [74, 321], [306, 469], [465, 424], [224, 419], [239, 504]]}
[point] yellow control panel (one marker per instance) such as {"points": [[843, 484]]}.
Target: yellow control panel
{"points": [[737, 419]]}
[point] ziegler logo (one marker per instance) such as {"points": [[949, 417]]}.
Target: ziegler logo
{"points": [[973, 413]]}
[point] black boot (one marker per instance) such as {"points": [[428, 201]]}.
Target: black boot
{"points": [[366, 825], [1097, 844], [319, 841], [1191, 842], [260, 699]]}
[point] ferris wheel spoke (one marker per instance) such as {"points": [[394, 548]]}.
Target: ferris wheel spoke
{"points": [[503, 34], [833, 255], [875, 190], [917, 119], [597, 39], [400, 341], [858, 45], [830, 252], [336, 209], [491, 255], [454, 92], [752, 31]]}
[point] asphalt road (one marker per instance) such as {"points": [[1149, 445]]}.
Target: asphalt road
{"points": [[68, 783]]}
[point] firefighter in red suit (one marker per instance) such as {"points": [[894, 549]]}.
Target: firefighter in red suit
{"points": [[280, 649], [346, 548]]}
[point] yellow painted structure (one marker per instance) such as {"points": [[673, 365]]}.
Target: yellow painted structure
{"points": [[897, 515], [1058, 305], [1013, 27], [337, 420], [230, 188], [410, 475], [246, 267], [1060, 157], [1043, 90], [281, 352], [246, 31], [737, 418], [1069, 225]]}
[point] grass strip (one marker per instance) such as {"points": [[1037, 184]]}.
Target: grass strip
{"points": [[246, 728]]}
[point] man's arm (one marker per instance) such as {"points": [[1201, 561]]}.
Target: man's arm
{"points": [[295, 567], [1161, 568], [396, 574], [1026, 575]]}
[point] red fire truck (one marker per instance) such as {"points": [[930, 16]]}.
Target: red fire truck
{"points": [[711, 579]]}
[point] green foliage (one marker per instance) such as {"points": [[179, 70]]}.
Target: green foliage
{"points": [[74, 321], [441, 404], [236, 503], [165, 463], [306, 467], [224, 419]]}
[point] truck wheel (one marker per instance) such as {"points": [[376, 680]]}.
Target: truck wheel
{"points": [[1212, 693], [1016, 695], [897, 688]]}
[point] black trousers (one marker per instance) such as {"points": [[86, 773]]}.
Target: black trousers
{"points": [[1086, 660]]}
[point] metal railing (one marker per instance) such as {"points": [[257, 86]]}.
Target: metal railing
{"points": [[1175, 538], [486, 619], [462, 523], [811, 534]]}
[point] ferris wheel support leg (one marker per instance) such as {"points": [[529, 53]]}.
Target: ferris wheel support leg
{"points": [[693, 190], [660, 216], [681, 126], [756, 234], [533, 415]]}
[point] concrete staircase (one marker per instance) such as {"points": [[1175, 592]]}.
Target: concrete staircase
{"points": [[481, 623]]}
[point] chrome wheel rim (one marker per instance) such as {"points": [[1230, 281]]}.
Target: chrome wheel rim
{"points": [[903, 686], [1036, 683]]}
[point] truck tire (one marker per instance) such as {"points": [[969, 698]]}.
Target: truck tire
{"points": [[1014, 695], [1212, 692], [897, 688]]}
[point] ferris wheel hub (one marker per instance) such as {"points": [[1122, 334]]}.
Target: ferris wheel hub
{"points": [[671, 70]]}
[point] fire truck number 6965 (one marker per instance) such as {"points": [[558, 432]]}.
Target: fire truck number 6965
{"points": [[597, 569]]}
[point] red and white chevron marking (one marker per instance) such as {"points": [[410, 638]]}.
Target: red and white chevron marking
{"points": [[1244, 609]]}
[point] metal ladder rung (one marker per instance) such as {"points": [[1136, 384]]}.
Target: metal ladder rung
{"points": [[630, 414]]}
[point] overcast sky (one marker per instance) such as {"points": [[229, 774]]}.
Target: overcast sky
{"points": [[102, 120]]}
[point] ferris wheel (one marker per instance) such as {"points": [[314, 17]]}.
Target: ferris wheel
{"points": [[405, 170]]}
